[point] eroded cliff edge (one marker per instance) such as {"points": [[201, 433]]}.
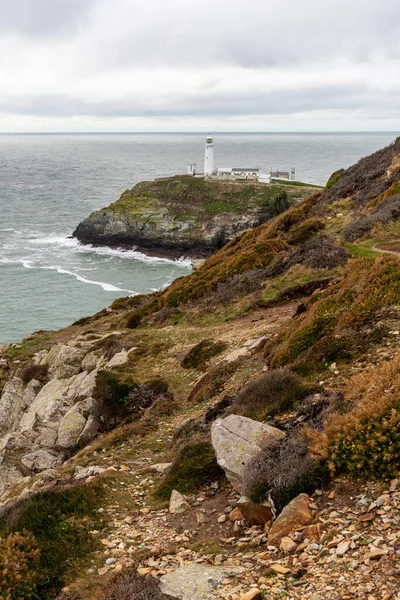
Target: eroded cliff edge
{"points": [[183, 215]]}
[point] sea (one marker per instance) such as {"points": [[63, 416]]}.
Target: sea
{"points": [[50, 182]]}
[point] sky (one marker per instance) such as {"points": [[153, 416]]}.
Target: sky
{"points": [[199, 65]]}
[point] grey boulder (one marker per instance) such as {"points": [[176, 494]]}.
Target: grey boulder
{"points": [[236, 440]]}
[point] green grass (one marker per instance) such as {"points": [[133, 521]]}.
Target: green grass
{"points": [[28, 347], [297, 183], [194, 466], [361, 251]]}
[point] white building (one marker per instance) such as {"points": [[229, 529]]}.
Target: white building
{"points": [[239, 172]]}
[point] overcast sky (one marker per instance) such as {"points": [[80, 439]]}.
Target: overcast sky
{"points": [[199, 65]]}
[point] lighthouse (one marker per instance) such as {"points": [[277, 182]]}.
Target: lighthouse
{"points": [[209, 157]]}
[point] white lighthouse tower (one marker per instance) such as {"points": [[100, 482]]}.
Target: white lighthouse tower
{"points": [[209, 157]]}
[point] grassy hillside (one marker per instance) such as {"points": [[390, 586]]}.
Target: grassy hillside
{"points": [[318, 291]]}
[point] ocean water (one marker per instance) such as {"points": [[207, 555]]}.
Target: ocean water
{"points": [[48, 183]]}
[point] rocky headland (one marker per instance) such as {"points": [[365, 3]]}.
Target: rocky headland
{"points": [[186, 216], [232, 437]]}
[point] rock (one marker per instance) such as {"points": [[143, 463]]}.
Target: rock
{"points": [[257, 343], [64, 361], [120, 358], [92, 361], [70, 428], [255, 514], [295, 515], [287, 545], [83, 472], [161, 467], [343, 548], [236, 440], [177, 504], [41, 460], [221, 519], [235, 514], [196, 581], [10, 404], [254, 594], [280, 569], [376, 553], [89, 432], [312, 532], [235, 354]]}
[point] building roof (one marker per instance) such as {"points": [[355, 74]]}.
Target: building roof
{"points": [[245, 169]]}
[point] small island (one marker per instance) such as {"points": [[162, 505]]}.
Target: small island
{"points": [[184, 215]]}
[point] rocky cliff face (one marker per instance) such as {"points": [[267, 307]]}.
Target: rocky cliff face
{"points": [[186, 216], [42, 422]]}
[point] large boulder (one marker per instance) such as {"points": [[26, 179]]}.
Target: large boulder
{"points": [[236, 440], [294, 516], [195, 582], [64, 361]]}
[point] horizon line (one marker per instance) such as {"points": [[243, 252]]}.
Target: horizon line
{"points": [[203, 132]]}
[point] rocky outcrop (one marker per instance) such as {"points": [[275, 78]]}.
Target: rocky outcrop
{"points": [[185, 215], [236, 440], [41, 424]]}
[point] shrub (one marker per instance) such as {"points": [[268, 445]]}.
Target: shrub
{"points": [[272, 393], [305, 231], [199, 355], [129, 585], [60, 521], [121, 397], [366, 179], [387, 211], [213, 382], [284, 470], [319, 252], [19, 562], [353, 303], [194, 466], [38, 372], [134, 318], [365, 441]]}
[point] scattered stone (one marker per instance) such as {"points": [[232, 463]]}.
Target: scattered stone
{"points": [[280, 569], [343, 548], [178, 503], [295, 515], [160, 467], [287, 545]]}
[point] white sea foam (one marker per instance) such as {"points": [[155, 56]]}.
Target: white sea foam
{"points": [[69, 242], [107, 287]]}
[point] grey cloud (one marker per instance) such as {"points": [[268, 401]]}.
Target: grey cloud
{"points": [[43, 18], [210, 105], [255, 34]]}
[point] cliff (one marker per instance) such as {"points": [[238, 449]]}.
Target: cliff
{"points": [[185, 215], [264, 387]]}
